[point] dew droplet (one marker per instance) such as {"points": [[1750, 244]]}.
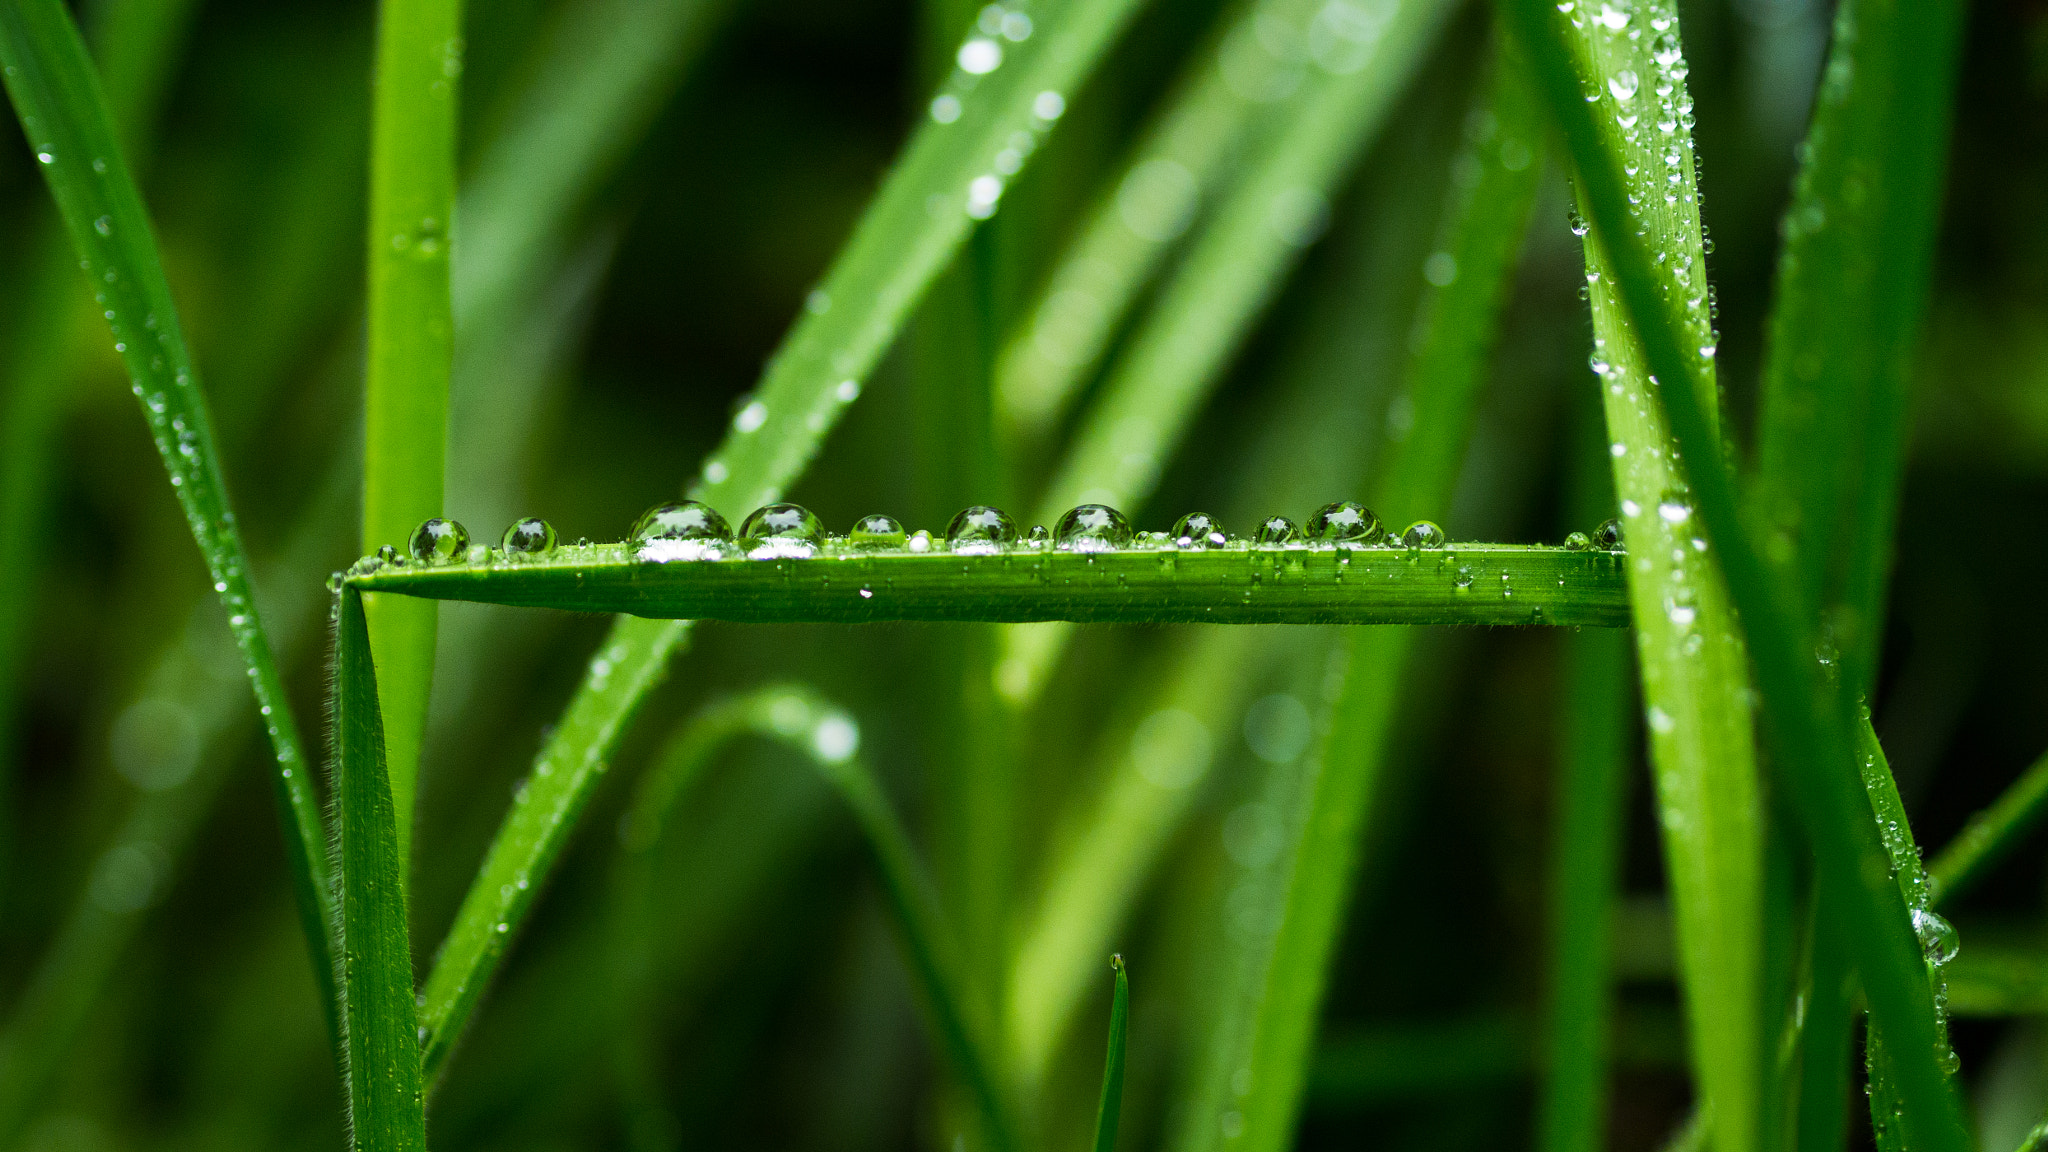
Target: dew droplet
{"points": [[1039, 536], [1276, 530], [980, 530], [1345, 522], [1199, 530], [532, 536], [438, 541], [1578, 542], [683, 530], [1939, 941], [873, 533], [1608, 536], [781, 531], [1092, 528], [1423, 534]]}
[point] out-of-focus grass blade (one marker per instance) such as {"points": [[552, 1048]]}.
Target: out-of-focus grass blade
{"points": [[1110, 1110], [1489, 219], [1690, 656], [830, 739], [411, 347], [64, 116], [1808, 720], [1204, 311], [1990, 834], [915, 223], [1183, 161], [1993, 980], [387, 1111]]}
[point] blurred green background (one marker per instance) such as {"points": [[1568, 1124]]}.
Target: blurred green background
{"points": [[184, 1015]]}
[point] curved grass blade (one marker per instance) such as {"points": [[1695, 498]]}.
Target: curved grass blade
{"points": [[1294, 584], [1807, 721], [830, 740], [1998, 980], [64, 115], [1694, 671], [411, 344], [1110, 1110], [915, 224], [386, 1106], [1207, 307], [1990, 834]]}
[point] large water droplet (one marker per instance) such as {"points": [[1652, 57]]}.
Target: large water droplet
{"points": [[1423, 534], [1276, 530], [683, 530], [1092, 528], [438, 541], [1199, 530], [980, 530], [873, 533], [777, 531], [1345, 522], [1608, 535], [1939, 941], [532, 536]]}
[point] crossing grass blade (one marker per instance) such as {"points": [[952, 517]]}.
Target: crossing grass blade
{"points": [[387, 1110], [897, 248], [1205, 310], [1807, 721], [1990, 834], [64, 115], [411, 343], [1111, 1108]]}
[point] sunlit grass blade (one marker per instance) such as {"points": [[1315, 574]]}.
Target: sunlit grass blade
{"points": [[1312, 884], [897, 248], [1384, 583], [1990, 834], [387, 1111], [57, 96], [1174, 359], [1807, 721], [411, 347], [830, 740], [1110, 1110]]}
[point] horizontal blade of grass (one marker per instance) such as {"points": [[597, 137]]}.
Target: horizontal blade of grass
{"points": [[1458, 584], [64, 115], [1990, 835], [1807, 721], [386, 1108], [830, 740], [913, 227]]}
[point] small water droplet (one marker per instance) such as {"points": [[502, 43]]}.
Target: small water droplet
{"points": [[1048, 106], [873, 533], [1623, 84], [1276, 530], [1199, 530], [1092, 528], [1578, 542], [1579, 225], [532, 536], [781, 531], [104, 225], [1039, 536], [1345, 522], [438, 541], [1423, 534], [750, 417], [980, 530]]}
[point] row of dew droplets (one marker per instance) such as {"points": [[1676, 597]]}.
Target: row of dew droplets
{"points": [[997, 30], [439, 541]]}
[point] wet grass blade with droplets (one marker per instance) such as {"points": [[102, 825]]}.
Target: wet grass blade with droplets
{"points": [[1110, 1110], [64, 115], [386, 1107], [897, 248], [1807, 721], [830, 740], [411, 345]]}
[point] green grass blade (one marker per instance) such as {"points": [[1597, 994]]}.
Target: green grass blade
{"points": [[1207, 308], [1990, 834], [1998, 980], [1295, 584], [1585, 878], [56, 94], [386, 1106], [1852, 284], [829, 739], [1808, 722], [1694, 672], [1110, 1110], [897, 248], [411, 344]]}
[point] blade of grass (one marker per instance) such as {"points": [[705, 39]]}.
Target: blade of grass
{"points": [[1807, 722], [1291, 966], [1206, 309], [1111, 1108], [914, 225], [386, 1106], [56, 94], [830, 740], [1990, 834], [1995, 980], [411, 344]]}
